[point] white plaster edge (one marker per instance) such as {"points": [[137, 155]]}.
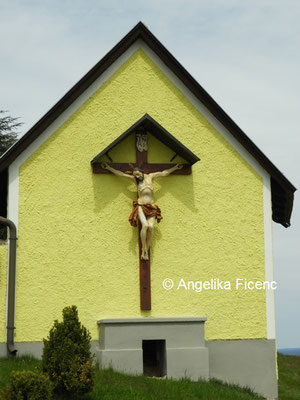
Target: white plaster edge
{"points": [[13, 192], [270, 304], [13, 197]]}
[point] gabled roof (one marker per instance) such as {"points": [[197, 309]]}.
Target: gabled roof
{"points": [[282, 189], [160, 133]]}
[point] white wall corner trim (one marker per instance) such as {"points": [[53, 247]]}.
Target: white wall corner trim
{"points": [[270, 304]]}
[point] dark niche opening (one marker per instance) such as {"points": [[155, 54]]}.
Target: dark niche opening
{"points": [[154, 357]]}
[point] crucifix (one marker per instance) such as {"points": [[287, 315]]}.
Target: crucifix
{"points": [[144, 210]]}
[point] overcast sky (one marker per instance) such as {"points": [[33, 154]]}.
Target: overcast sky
{"points": [[244, 53]]}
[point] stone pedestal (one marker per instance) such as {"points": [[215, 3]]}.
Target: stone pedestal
{"points": [[121, 345]]}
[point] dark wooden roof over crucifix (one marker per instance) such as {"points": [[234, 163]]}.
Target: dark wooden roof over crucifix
{"points": [[148, 124]]}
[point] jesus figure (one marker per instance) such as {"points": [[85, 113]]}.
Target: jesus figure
{"points": [[144, 208]]}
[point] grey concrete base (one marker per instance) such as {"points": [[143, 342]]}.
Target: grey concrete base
{"points": [[34, 349], [188, 363], [250, 363], [116, 359], [120, 345], [3, 352]]}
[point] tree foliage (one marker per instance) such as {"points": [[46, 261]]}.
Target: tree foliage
{"points": [[67, 358], [28, 385], [8, 131]]}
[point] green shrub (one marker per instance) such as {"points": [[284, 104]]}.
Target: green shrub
{"points": [[67, 357], [28, 385], [5, 393]]}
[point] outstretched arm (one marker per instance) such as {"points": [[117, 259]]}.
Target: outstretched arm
{"points": [[166, 172], [116, 171]]}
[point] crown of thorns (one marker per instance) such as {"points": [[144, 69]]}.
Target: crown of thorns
{"points": [[133, 168]]}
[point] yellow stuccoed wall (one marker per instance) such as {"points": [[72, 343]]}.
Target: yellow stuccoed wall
{"points": [[76, 245]]}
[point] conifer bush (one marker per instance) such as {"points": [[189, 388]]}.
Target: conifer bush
{"points": [[28, 385], [67, 358]]}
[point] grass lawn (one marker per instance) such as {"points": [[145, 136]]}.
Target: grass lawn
{"points": [[112, 385], [289, 377]]}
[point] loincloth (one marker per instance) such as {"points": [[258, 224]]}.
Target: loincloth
{"points": [[150, 210]]}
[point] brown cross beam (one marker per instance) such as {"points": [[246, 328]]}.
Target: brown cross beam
{"points": [[142, 159]]}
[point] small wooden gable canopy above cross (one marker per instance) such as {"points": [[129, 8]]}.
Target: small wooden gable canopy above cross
{"points": [[141, 127]]}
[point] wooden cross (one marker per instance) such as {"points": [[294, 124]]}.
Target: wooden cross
{"points": [[142, 159]]}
